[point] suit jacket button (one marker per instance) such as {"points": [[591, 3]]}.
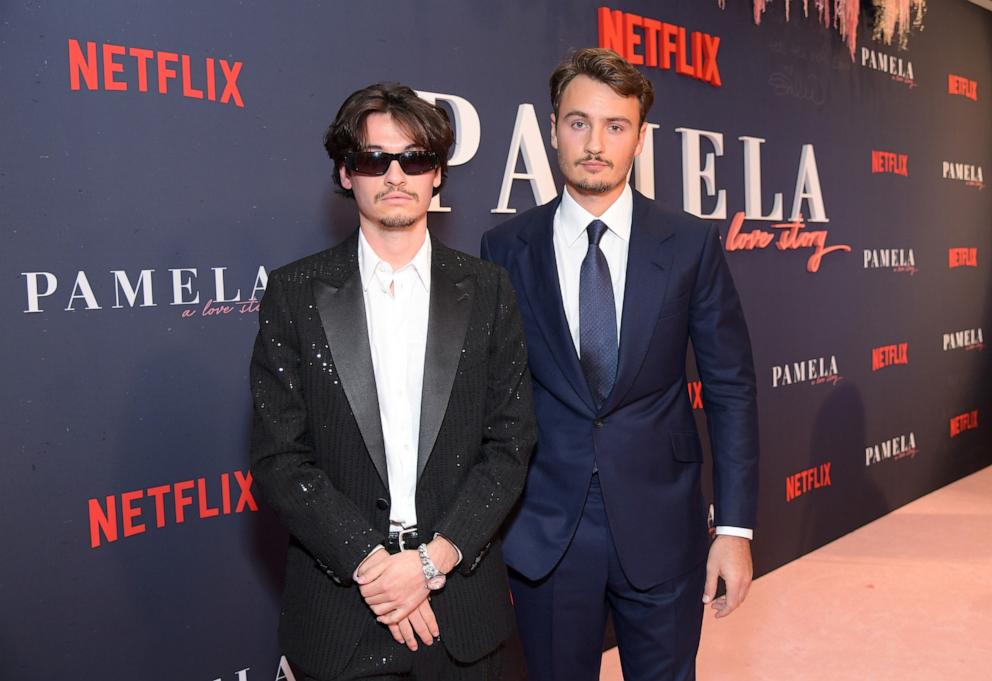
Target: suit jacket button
{"points": [[598, 423], [381, 504]]}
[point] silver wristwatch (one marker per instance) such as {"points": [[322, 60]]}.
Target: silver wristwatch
{"points": [[435, 578]]}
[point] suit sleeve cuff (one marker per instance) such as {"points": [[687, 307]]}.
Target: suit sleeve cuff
{"points": [[354, 575], [735, 531], [457, 550]]}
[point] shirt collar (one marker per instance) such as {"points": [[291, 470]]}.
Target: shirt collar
{"points": [[368, 260], [573, 219]]}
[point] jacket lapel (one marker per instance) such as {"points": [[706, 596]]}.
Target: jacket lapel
{"points": [[452, 293], [539, 273], [649, 265], [341, 305]]}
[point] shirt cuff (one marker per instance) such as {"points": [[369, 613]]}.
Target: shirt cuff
{"points": [[457, 550], [735, 531], [354, 576]]}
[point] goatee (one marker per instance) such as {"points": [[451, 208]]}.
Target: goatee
{"points": [[595, 187], [398, 221]]}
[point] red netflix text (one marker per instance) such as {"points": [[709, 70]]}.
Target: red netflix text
{"points": [[959, 85], [696, 394], [888, 355], [962, 257], [97, 67], [963, 422], [890, 162], [650, 42], [124, 514], [799, 483]]}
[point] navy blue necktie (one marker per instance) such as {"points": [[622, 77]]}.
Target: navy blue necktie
{"points": [[598, 354]]}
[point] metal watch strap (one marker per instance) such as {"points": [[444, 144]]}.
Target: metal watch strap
{"points": [[434, 577]]}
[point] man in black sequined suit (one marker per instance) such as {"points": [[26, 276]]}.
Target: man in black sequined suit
{"points": [[393, 421]]}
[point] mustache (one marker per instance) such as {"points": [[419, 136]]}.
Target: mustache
{"points": [[396, 190], [594, 157]]}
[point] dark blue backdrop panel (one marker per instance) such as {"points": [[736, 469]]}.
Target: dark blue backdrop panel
{"points": [[133, 219]]}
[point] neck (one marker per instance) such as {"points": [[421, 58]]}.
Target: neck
{"points": [[594, 202], [395, 245]]}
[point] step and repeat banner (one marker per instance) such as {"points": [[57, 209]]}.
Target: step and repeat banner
{"points": [[159, 159]]}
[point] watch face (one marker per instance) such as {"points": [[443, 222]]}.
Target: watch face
{"points": [[435, 583]]}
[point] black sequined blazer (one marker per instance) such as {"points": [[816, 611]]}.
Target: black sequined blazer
{"points": [[319, 462]]}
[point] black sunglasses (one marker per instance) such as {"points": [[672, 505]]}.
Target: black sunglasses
{"points": [[377, 162]]}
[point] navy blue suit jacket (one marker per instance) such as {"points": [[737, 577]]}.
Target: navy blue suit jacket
{"points": [[644, 437]]}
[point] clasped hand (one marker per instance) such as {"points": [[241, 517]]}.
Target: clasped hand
{"points": [[394, 588]]}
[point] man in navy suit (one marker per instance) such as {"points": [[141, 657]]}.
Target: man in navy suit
{"points": [[611, 289]]}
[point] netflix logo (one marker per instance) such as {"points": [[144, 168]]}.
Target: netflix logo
{"points": [[890, 162], [959, 85], [649, 42], [696, 394], [807, 480], [963, 422], [889, 355], [102, 67], [124, 515], [962, 257]]}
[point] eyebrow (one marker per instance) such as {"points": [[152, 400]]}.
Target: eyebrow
{"points": [[413, 146], [583, 114]]}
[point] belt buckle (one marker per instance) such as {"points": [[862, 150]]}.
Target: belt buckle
{"points": [[399, 538]]}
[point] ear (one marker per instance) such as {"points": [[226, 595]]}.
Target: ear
{"points": [[437, 179], [344, 177], [554, 132], [641, 135]]}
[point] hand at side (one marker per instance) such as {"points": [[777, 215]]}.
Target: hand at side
{"points": [[730, 558]]}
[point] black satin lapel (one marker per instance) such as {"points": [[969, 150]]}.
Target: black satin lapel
{"points": [[447, 322], [342, 314], [649, 265], [539, 272]]}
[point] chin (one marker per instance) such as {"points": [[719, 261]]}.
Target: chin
{"points": [[397, 221], [595, 186]]}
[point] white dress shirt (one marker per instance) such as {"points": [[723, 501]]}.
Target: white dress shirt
{"points": [[397, 303], [396, 307], [571, 242]]}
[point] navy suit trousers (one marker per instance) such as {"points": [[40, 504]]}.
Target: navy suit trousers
{"points": [[562, 617]]}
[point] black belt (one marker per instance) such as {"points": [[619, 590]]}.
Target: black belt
{"points": [[404, 540]]}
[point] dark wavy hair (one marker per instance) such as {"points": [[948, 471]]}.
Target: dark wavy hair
{"points": [[607, 67], [426, 124]]}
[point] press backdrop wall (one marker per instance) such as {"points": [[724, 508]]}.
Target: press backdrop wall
{"points": [[134, 546]]}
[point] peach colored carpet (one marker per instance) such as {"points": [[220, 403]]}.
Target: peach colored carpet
{"points": [[905, 598]]}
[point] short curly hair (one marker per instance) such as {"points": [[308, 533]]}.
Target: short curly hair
{"points": [[427, 125]]}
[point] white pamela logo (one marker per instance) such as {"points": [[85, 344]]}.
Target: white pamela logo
{"points": [[182, 282]]}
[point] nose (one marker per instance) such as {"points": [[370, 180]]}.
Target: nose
{"points": [[594, 141], [394, 174]]}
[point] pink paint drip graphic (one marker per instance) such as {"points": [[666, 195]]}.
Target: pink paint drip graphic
{"points": [[894, 19]]}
